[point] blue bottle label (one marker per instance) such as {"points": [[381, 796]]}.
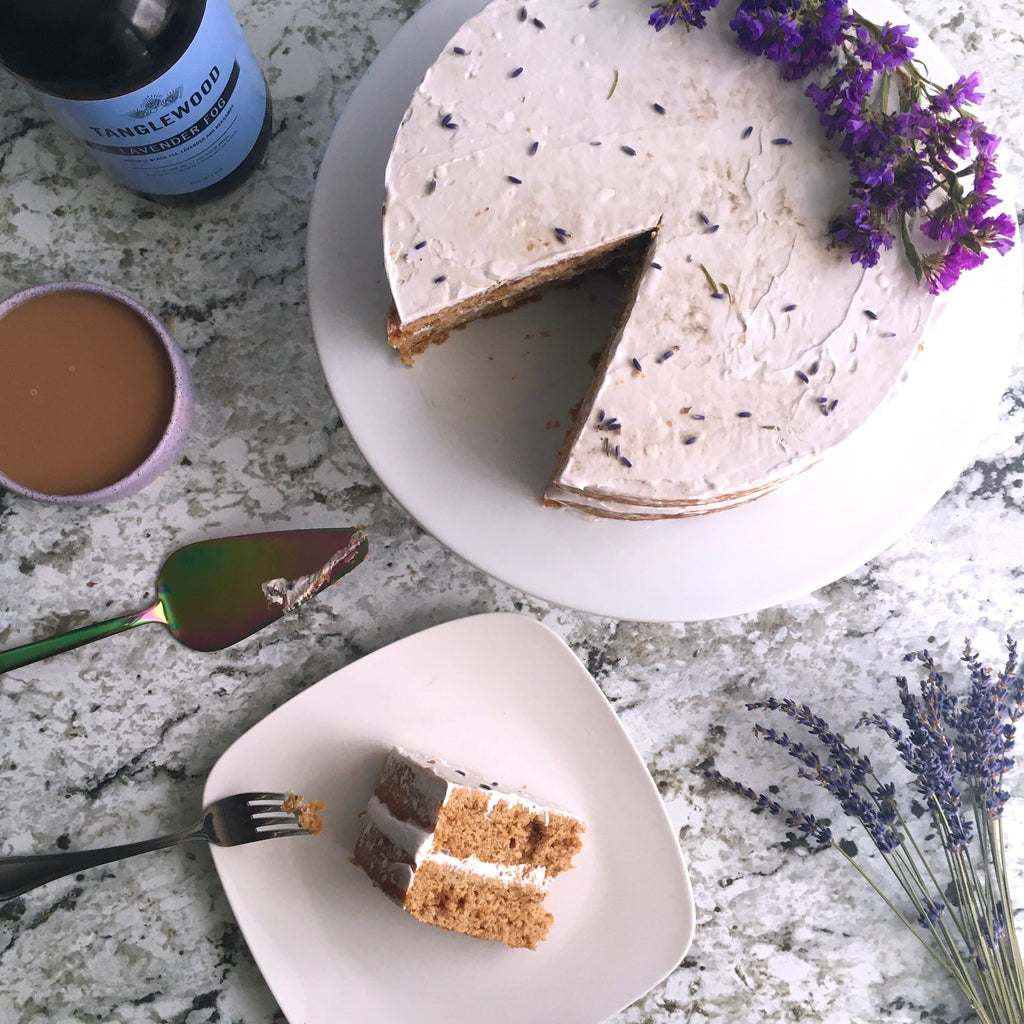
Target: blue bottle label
{"points": [[186, 129]]}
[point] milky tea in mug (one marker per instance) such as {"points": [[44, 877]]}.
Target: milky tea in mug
{"points": [[90, 388]]}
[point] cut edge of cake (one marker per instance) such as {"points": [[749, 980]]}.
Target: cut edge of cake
{"points": [[414, 337]]}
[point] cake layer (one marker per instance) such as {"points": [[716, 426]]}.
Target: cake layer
{"points": [[750, 347], [393, 867], [414, 338], [484, 908], [502, 831], [430, 807]]}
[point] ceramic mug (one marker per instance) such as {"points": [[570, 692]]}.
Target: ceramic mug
{"points": [[87, 373]]}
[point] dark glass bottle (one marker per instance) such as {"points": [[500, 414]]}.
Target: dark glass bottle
{"points": [[165, 94]]}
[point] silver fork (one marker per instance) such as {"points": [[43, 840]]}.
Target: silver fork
{"points": [[231, 821]]}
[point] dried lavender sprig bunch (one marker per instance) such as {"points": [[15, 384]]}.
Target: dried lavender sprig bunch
{"points": [[922, 164], [951, 888]]}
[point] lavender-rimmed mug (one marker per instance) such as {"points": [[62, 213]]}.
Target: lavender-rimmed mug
{"points": [[168, 448]]}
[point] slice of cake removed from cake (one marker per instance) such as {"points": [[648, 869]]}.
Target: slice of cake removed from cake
{"points": [[455, 851]]}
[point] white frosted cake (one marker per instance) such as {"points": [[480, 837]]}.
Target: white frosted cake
{"points": [[547, 138], [455, 851]]}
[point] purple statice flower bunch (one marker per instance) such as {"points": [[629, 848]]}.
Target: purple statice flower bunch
{"points": [[798, 35], [689, 12], [957, 748], [911, 147], [922, 165]]}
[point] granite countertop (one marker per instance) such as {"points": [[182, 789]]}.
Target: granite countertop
{"points": [[114, 742]]}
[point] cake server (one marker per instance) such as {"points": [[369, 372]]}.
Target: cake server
{"points": [[213, 593]]}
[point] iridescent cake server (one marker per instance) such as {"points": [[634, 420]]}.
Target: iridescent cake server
{"points": [[548, 138]]}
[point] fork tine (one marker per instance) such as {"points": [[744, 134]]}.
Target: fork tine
{"points": [[276, 832], [246, 817], [272, 821]]}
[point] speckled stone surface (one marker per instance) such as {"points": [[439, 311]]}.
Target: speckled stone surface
{"points": [[113, 742]]}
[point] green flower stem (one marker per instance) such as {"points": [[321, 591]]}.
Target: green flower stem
{"points": [[991, 979], [904, 865], [1009, 950], [954, 968], [963, 877], [998, 975], [916, 857], [883, 95], [1004, 893]]}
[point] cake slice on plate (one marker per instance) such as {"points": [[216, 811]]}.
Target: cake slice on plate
{"points": [[455, 851]]}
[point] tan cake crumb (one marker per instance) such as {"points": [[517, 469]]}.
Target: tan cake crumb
{"points": [[308, 813]]}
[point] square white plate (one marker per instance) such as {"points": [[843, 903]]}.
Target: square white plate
{"points": [[503, 694]]}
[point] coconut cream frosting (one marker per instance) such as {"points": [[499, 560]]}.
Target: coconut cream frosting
{"points": [[750, 346], [436, 779]]}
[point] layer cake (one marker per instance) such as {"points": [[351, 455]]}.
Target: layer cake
{"points": [[552, 137]]}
